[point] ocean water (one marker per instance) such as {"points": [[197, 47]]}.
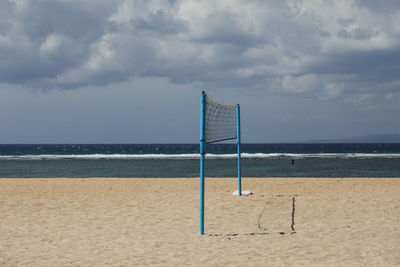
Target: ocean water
{"points": [[182, 160]]}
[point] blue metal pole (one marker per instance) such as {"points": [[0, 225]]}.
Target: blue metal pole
{"points": [[202, 156], [238, 148]]}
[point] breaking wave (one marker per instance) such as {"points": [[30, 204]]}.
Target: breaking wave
{"points": [[196, 156]]}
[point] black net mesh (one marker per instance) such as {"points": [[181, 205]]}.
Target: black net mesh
{"points": [[220, 121]]}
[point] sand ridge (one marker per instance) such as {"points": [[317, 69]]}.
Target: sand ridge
{"points": [[153, 221]]}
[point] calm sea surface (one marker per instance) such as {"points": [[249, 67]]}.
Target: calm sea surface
{"points": [[182, 160]]}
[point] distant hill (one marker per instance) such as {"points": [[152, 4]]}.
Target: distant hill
{"points": [[376, 138]]}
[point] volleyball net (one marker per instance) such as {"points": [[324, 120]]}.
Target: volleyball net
{"points": [[218, 122]]}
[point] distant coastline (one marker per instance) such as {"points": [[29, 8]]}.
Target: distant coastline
{"points": [[376, 138]]}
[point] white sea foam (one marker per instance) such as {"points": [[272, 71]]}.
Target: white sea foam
{"points": [[101, 156], [208, 156], [319, 155]]}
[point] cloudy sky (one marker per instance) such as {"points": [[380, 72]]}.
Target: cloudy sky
{"points": [[126, 71]]}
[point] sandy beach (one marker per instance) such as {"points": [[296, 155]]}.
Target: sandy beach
{"points": [[127, 222]]}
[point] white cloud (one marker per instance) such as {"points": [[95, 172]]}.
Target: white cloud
{"points": [[52, 44], [299, 84], [4, 41], [332, 90]]}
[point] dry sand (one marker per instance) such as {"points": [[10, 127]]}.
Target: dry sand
{"points": [[127, 222]]}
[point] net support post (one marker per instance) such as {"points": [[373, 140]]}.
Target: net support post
{"points": [[202, 157], [238, 149]]}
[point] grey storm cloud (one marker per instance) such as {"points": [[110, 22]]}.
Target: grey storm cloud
{"points": [[329, 48], [132, 70]]}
